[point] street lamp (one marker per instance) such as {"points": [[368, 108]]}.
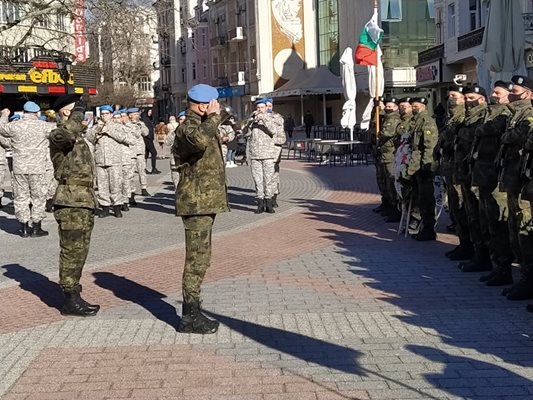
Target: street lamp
{"points": [[64, 66]]}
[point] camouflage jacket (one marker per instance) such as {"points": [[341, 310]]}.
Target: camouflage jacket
{"points": [[405, 125], [424, 139], [487, 145], [263, 135], [387, 136], [513, 140], [108, 142], [139, 130], [73, 164], [444, 151], [29, 142], [128, 145], [202, 187], [280, 137], [4, 146]]}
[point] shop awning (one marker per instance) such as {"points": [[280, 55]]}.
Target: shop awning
{"points": [[318, 80]]}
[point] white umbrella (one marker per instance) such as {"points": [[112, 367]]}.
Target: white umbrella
{"points": [[504, 39], [348, 119]]}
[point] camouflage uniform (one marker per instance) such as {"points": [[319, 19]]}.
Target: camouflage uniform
{"points": [[200, 195], [4, 144], [464, 142], [140, 130], [225, 131], [29, 141], [445, 155], [174, 173], [424, 140], [128, 161], [108, 140], [74, 200], [493, 210], [280, 138], [386, 146], [514, 142], [263, 152], [52, 183]]}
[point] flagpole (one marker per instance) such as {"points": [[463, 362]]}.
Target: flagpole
{"points": [[377, 79]]}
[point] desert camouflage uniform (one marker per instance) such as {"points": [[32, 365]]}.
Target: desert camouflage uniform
{"points": [[140, 130], [128, 160], [108, 141], [174, 173], [262, 152], [52, 183], [279, 140], [225, 131], [74, 200], [29, 142], [4, 145], [200, 195]]}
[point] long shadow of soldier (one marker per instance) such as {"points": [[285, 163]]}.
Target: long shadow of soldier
{"points": [[134, 292], [47, 291]]}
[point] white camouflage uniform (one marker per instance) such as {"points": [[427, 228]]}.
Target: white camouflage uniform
{"points": [[128, 160], [29, 143], [169, 142], [108, 139], [4, 145], [52, 182], [263, 152], [225, 131], [279, 138], [140, 130]]}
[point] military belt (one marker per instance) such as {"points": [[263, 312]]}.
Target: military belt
{"points": [[75, 182]]}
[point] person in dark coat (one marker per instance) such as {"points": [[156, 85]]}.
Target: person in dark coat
{"points": [[146, 117]]}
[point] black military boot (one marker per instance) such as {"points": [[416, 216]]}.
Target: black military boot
{"points": [[523, 290], [380, 208], [117, 211], [155, 171], [144, 192], [501, 276], [25, 230], [36, 230], [1, 205], [268, 206], [260, 206], [49, 206], [274, 202], [193, 321], [104, 213], [75, 305], [393, 215], [125, 207], [464, 251], [133, 203], [479, 263], [426, 235]]}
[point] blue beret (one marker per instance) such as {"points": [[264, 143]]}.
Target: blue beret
{"points": [[202, 93], [261, 101], [269, 100], [106, 108], [133, 110], [14, 117], [123, 111], [31, 107], [42, 118], [181, 114], [116, 112]]}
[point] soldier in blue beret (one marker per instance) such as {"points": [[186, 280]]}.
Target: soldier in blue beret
{"points": [[201, 194]]}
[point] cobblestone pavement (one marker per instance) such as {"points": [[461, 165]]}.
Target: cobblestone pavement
{"points": [[320, 300]]}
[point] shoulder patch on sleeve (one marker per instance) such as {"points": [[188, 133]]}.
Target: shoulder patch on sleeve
{"points": [[428, 132], [530, 119]]}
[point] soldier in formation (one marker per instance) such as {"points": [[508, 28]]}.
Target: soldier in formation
{"points": [[279, 141]]}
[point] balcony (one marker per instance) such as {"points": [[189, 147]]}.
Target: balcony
{"points": [[528, 22], [237, 34], [218, 41], [471, 39], [431, 54]]}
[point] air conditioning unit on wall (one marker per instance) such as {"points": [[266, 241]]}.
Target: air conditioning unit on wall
{"points": [[241, 77]]}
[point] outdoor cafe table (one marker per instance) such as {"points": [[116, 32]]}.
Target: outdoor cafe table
{"points": [[344, 148]]}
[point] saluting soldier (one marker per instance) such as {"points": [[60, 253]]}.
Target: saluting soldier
{"points": [[420, 168], [493, 210], [386, 146], [517, 132], [74, 202], [476, 111], [279, 140], [201, 194], [29, 141]]}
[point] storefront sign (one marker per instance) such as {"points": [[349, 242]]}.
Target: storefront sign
{"points": [[231, 91], [79, 31], [48, 76], [428, 73]]}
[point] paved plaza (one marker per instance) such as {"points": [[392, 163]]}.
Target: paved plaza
{"points": [[319, 301]]}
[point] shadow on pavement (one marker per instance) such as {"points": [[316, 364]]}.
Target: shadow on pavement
{"points": [[39, 285], [134, 292], [9, 225]]}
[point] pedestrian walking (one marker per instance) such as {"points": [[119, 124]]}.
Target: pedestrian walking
{"points": [[161, 132], [201, 194], [309, 121], [28, 137], [150, 151], [289, 125], [74, 202]]}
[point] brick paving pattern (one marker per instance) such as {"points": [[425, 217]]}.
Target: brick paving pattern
{"points": [[321, 300]]}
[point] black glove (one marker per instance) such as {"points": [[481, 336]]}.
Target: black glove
{"points": [[80, 106], [426, 167]]}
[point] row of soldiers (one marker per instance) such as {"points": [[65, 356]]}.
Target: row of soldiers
{"points": [[484, 154], [116, 141]]}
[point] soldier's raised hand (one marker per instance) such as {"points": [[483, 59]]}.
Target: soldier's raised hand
{"points": [[213, 107], [5, 112]]}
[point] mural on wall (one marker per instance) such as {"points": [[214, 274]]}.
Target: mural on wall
{"points": [[287, 40]]}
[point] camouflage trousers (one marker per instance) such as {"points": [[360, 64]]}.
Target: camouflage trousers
{"points": [[525, 238], [52, 184], [515, 206], [109, 185], [426, 198], [139, 167], [478, 232], [75, 226], [29, 189], [494, 214], [197, 254], [175, 175], [381, 181], [457, 209], [263, 174], [387, 189], [275, 178], [3, 174], [127, 177]]}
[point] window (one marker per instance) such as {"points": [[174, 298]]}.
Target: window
{"points": [[391, 10], [193, 71], [204, 38], [183, 77], [60, 23], [431, 9], [42, 21], [10, 11], [328, 34], [475, 17], [451, 20], [122, 82], [145, 84], [205, 71]]}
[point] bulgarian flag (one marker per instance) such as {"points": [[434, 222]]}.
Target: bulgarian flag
{"points": [[367, 50]]}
